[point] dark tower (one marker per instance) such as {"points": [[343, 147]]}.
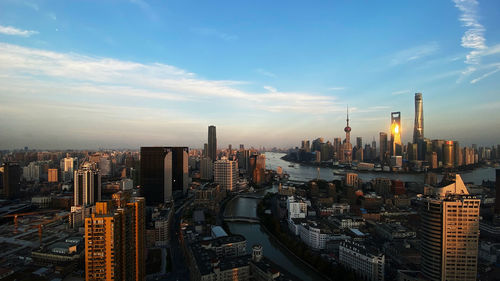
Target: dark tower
{"points": [[497, 187], [212, 143]]}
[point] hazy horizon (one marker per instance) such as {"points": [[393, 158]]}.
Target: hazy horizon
{"points": [[115, 74]]}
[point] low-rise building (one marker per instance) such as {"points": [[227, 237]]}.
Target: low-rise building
{"points": [[296, 208], [366, 261]]}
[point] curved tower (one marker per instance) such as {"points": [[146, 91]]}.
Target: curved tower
{"points": [[418, 128]]}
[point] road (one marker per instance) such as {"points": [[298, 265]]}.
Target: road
{"points": [[179, 267]]}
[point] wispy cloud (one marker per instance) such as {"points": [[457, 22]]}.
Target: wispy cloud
{"points": [[45, 71], [414, 53], [474, 39], [473, 81], [265, 72], [211, 32], [336, 88], [401, 92], [9, 30]]}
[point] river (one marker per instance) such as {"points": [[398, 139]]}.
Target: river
{"points": [[256, 235]]}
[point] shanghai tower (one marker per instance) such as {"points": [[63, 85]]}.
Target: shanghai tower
{"points": [[418, 129], [212, 143]]}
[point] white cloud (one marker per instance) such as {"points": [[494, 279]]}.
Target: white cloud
{"points": [[336, 88], [9, 30], [414, 53], [265, 72], [74, 74], [401, 92], [473, 81], [474, 39]]}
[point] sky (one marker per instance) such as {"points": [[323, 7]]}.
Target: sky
{"points": [[125, 74]]}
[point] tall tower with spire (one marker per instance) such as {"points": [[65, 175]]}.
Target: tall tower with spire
{"points": [[347, 146]]}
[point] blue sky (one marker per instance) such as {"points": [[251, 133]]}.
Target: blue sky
{"points": [[89, 74]]}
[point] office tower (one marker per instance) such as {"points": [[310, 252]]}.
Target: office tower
{"points": [[497, 187], [206, 169], [243, 157], [164, 170], [396, 148], [212, 143], [437, 146], [374, 143], [458, 154], [383, 146], [226, 174], [450, 232], [347, 146], [87, 185], [205, 150], [11, 179], [418, 127], [448, 154], [114, 240], [52, 175], [359, 142]]}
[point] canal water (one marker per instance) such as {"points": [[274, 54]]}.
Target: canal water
{"points": [[256, 235]]}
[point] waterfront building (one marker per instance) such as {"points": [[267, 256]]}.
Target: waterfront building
{"points": [[226, 174], [347, 146], [314, 234], [164, 170], [450, 232], [366, 261], [114, 241], [383, 146], [448, 154], [351, 179], [418, 127], [212, 143], [396, 146], [87, 185]]}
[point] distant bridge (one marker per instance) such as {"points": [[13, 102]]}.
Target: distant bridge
{"points": [[241, 219], [249, 195]]}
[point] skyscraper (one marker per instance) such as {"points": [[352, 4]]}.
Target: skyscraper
{"points": [[448, 154], [114, 240], [359, 142], [87, 185], [164, 170], [212, 143], [418, 127], [226, 174], [11, 179], [347, 146], [383, 146], [396, 147], [450, 232]]}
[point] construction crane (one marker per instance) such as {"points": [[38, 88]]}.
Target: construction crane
{"points": [[15, 216], [41, 225]]}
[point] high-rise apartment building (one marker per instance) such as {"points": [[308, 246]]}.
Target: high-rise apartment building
{"points": [[450, 232], [212, 143], [164, 170], [226, 174], [87, 185], [10, 173], [52, 175], [396, 147], [115, 240], [206, 169], [418, 127]]}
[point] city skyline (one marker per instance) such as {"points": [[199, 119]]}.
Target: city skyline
{"points": [[146, 73]]}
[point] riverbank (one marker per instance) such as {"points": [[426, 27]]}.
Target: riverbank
{"points": [[299, 249]]}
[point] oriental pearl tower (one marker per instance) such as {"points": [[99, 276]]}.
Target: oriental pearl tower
{"points": [[347, 146]]}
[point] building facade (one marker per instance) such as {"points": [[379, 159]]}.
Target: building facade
{"points": [[450, 232], [226, 174], [87, 185]]}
